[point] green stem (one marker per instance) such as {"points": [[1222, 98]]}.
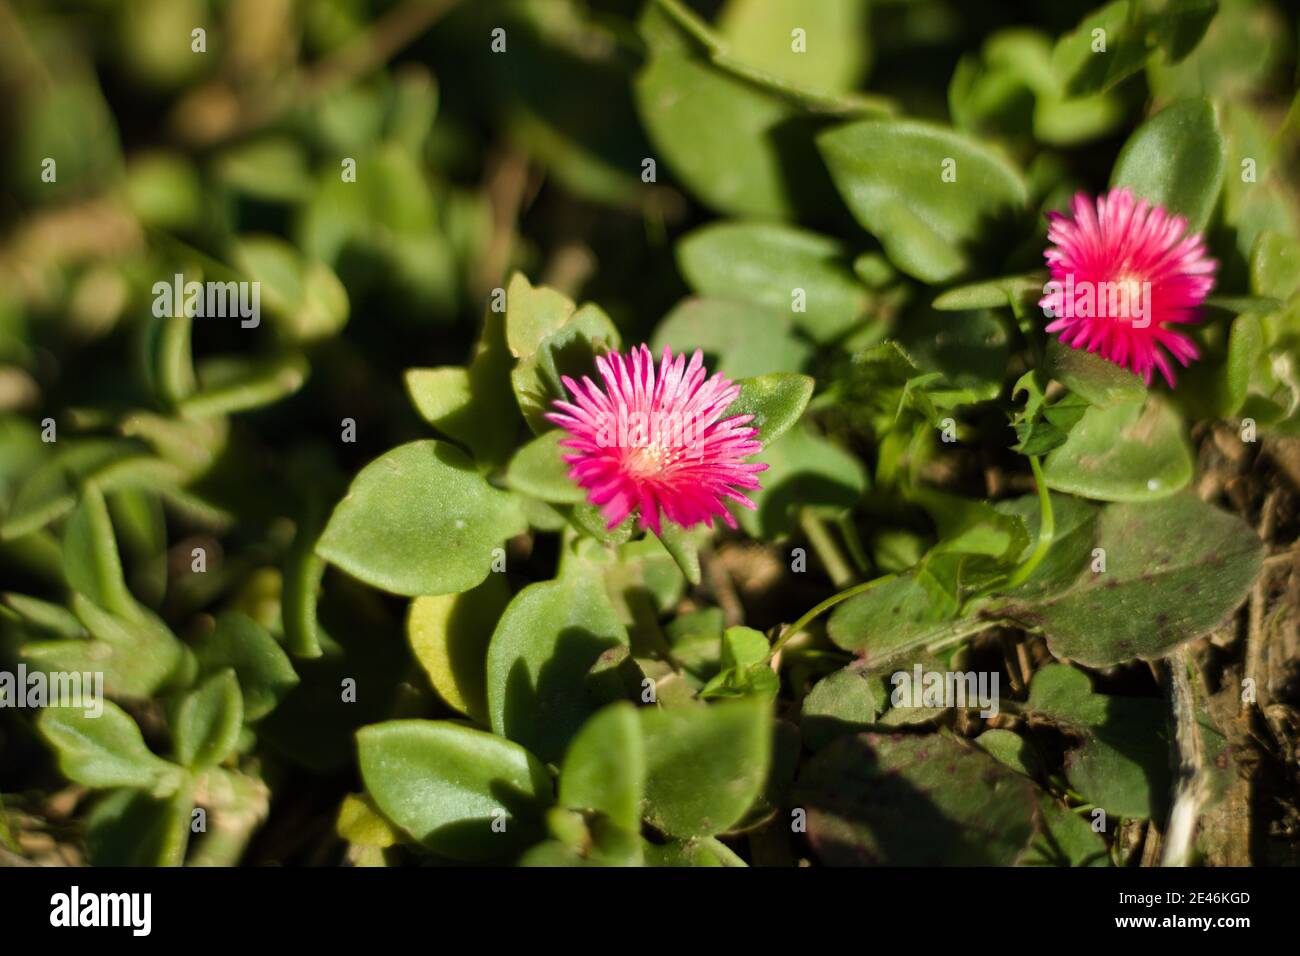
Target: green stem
{"points": [[1046, 528], [814, 613], [828, 552], [1046, 534], [853, 541]]}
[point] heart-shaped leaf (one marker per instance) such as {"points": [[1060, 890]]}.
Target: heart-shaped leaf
{"points": [[759, 32], [1176, 159], [842, 702], [539, 469], [915, 801], [706, 765], [775, 401], [935, 199], [1101, 382], [463, 793], [420, 519], [449, 634], [544, 644], [605, 767], [738, 145], [739, 339], [1123, 764], [802, 273], [1130, 451], [1173, 570]]}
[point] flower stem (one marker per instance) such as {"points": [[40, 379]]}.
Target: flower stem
{"points": [[1046, 528], [814, 613], [828, 552], [1046, 534]]}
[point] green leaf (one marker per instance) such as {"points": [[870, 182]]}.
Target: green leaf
{"points": [[992, 293], [676, 853], [137, 656], [263, 669], [1131, 451], [1065, 839], [1176, 159], [1101, 382], [706, 764], [1042, 427], [1072, 543], [968, 526], [907, 800], [105, 750], [90, 556], [207, 721], [230, 385], [1246, 346], [908, 611], [532, 313], [132, 828], [739, 147], [1083, 67], [52, 619], [449, 634], [968, 349], [570, 350], [303, 572], [936, 200], [765, 263], [1180, 26], [52, 489], [842, 702], [539, 469], [1174, 569], [744, 670], [684, 548], [739, 339], [775, 401], [545, 642], [1123, 763], [272, 168], [838, 50], [1011, 750], [605, 767], [446, 785], [420, 519], [474, 405], [360, 823], [805, 470], [1275, 265]]}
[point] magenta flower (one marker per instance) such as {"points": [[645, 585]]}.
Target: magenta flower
{"points": [[649, 443], [1124, 274]]}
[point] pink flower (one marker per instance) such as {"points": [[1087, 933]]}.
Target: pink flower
{"points": [[648, 442], [1124, 274]]}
